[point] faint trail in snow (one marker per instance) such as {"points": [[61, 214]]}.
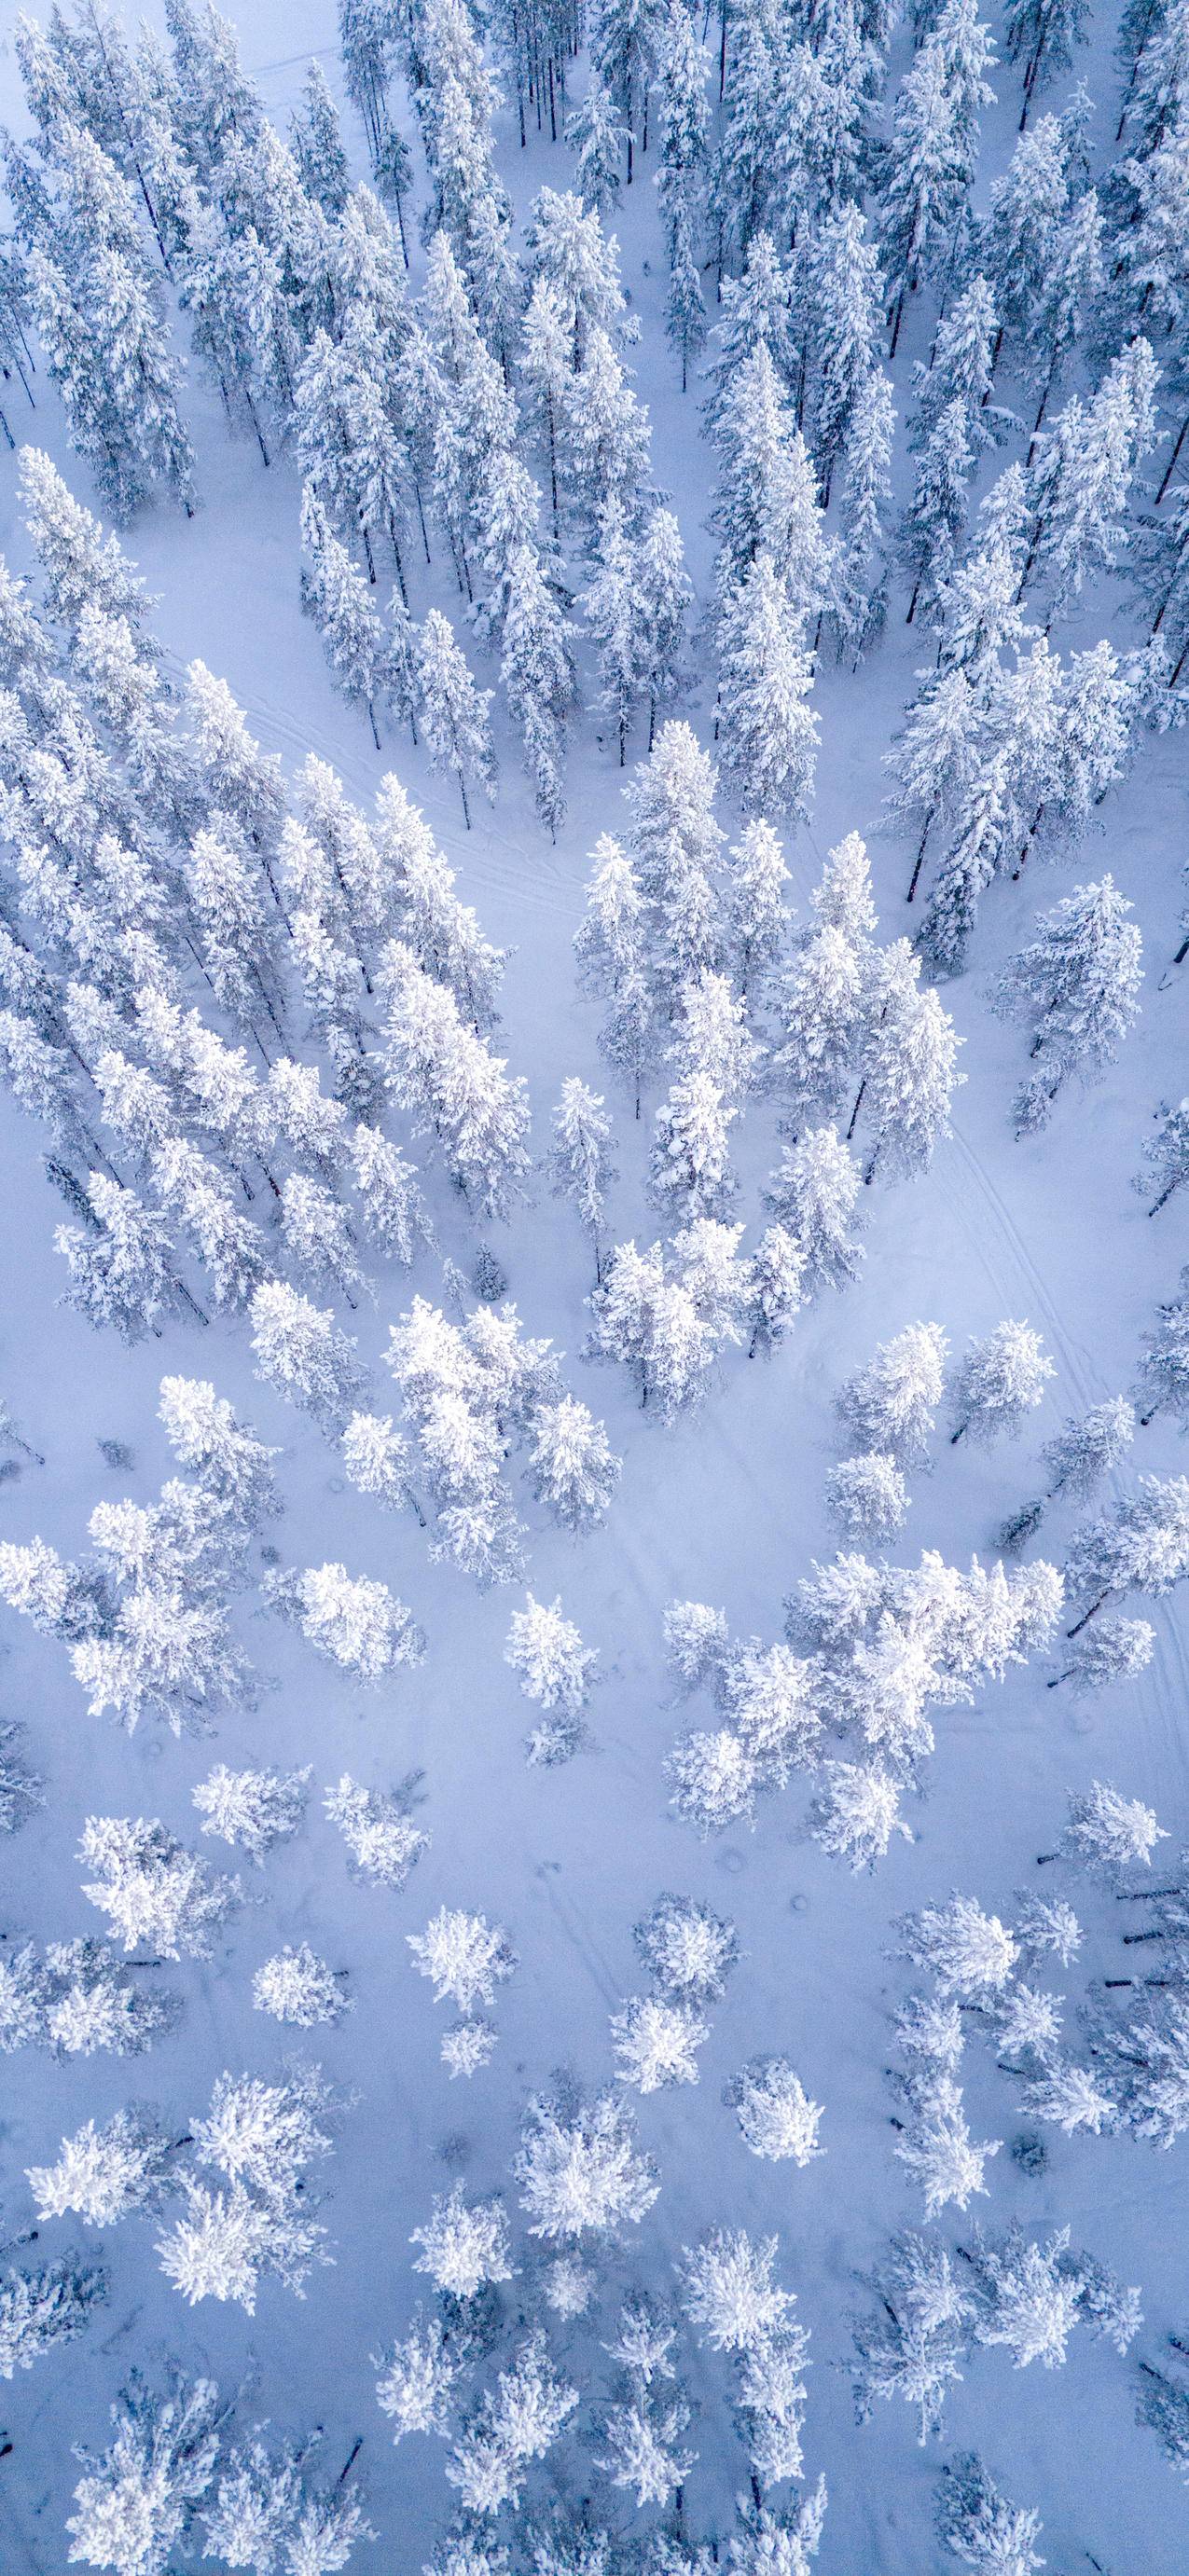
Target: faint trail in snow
{"points": [[1075, 1359], [578, 1935]]}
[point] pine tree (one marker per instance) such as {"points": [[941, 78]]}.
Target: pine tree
{"points": [[1078, 982], [537, 674], [581, 1166], [453, 712], [927, 172], [1167, 1158], [1000, 1380], [910, 1073], [612, 608], [977, 2524], [1083, 471], [844, 294], [318, 144], [769, 734], [596, 139], [937, 516], [891, 1405], [934, 761], [860, 580], [335, 595], [813, 1193], [663, 595], [1164, 1365]]}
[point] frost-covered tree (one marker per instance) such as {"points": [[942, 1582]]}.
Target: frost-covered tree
{"points": [[336, 595], [1107, 1834], [300, 1351], [856, 1812], [453, 712], [891, 1404], [296, 1986], [136, 2501], [1001, 1379], [517, 2422], [1077, 983], [976, 2524], [152, 1889], [121, 1264], [775, 2114], [1113, 1650], [454, 1087], [464, 1955], [379, 1833], [715, 1779], [354, 1621], [1163, 1370], [813, 1194], [1166, 1158], [914, 2344], [728, 2293], [656, 2039], [866, 1496], [571, 1464], [578, 2167], [252, 1809], [688, 1948], [102, 2175], [554, 1669], [1083, 471], [581, 1167], [50, 2306], [464, 2245], [910, 1072], [970, 1953], [768, 730], [1142, 1546]]}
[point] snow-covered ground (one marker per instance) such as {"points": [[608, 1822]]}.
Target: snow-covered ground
{"points": [[723, 1506]]}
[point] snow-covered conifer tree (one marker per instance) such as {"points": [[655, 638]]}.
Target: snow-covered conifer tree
{"points": [[578, 2167], [375, 1824], [768, 732], [910, 1070], [296, 1986], [299, 1351], [813, 1193], [1166, 1157], [137, 2500], [687, 1948], [555, 1670], [152, 1889], [1078, 984], [1001, 1379], [656, 2040], [775, 2114], [252, 1809], [104, 2174], [580, 1165], [47, 2307], [975, 2521], [1107, 1834], [866, 1496], [318, 145], [856, 1812], [970, 1953], [355, 1622], [1141, 1546], [465, 1956], [892, 1403]]}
